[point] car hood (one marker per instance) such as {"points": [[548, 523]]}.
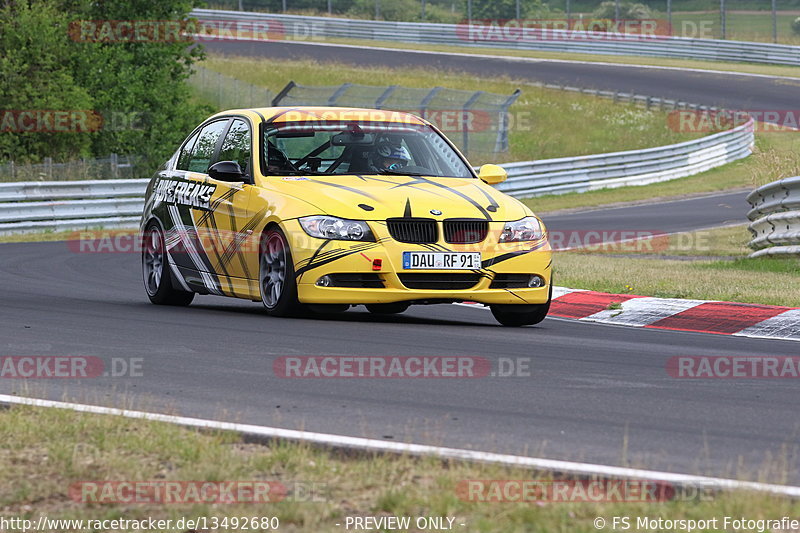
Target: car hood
{"points": [[381, 197]]}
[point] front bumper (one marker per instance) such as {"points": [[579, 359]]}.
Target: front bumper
{"points": [[315, 258]]}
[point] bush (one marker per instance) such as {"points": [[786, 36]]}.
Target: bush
{"points": [[627, 11], [796, 26], [405, 10]]}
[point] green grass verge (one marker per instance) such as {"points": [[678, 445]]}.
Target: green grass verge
{"points": [[42, 236], [722, 66], [775, 157], [545, 123], [703, 265], [44, 452]]}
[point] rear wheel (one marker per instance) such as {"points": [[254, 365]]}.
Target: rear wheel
{"points": [[388, 309], [157, 279], [276, 275], [522, 315]]}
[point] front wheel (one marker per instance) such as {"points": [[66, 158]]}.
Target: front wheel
{"points": [[276, 275], [155, 269]]}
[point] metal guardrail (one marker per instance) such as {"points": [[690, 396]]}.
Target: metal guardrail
{"points": [[70, 205], [299, 27], [64, 206], [775, 217], [636, 167]]}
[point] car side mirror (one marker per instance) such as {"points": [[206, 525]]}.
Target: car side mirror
{"points": [[492, 174], [226, 171]]}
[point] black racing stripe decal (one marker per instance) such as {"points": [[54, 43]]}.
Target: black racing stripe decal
{"points": [[407, 210], [217, 251], [334, 252], [515, 295], [505, 257], [227, 195], [330, 259], [493, 205], [460, 194], [241, 236], [413, 184], [344, 187], [312, 258]]}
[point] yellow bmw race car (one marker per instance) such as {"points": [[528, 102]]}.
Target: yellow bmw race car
{"points": [[319, 209]]}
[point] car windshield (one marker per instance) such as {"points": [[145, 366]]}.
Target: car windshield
{"points": [[341, 148]]}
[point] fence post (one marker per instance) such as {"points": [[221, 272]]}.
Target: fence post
{"points": [[464, 122], [219, 89], [385, 96], [281, 95], [48, 166], [423, 106], [502, 127], [338, 93], [11, 163], [114, 166]]}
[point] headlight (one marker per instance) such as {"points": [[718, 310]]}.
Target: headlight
{"points": [[324, 227], [526, 229]]}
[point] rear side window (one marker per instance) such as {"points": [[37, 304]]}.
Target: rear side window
{"points": [[236, 145], [186, 153], [204, 147]]}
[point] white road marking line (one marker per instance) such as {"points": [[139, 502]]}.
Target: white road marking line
{"points": [[358, 443]]}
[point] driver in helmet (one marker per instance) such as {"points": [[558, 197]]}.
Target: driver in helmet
{"points": [[388, 156]]}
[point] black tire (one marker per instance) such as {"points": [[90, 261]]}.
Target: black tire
{"points": [[515, 316], [276, 278], [388, 309], [156, 272]]}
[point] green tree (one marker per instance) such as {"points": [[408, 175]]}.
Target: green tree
{"points": [[140, 87], [35, 75]]}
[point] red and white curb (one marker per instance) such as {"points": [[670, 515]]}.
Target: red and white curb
{"points": [[702, 316], [722, 318]]}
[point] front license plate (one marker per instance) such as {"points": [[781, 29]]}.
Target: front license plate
{"points": [[441, 260]]}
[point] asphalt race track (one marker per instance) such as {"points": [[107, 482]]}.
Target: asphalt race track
{"points": [[732, 91], [701, 212], [595, 393], [591, 388]]}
